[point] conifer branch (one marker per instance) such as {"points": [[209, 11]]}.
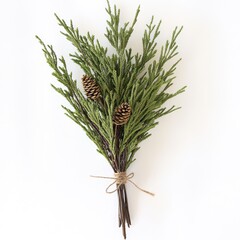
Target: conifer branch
{"points": [[125, 92]]}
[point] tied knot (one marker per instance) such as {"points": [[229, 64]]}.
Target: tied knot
{"points": [[121, 178]]}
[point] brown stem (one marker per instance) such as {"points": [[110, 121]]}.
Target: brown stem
{"points": [[124, 215], [126, 206], [117, 137], [122, 211]]}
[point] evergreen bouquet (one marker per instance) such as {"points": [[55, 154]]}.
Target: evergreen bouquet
{"points": [[124, 92]]}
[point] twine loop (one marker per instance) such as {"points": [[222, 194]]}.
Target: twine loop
{"points": [[121, 178]]}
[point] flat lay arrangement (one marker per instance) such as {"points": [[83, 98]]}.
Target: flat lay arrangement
{"points": [[124, 93]]}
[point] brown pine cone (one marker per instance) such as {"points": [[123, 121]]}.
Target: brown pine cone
{"points": [[122, 114], [91, 88]]}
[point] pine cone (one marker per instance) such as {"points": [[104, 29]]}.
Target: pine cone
{"points": [[122, 114], [91, 88]]}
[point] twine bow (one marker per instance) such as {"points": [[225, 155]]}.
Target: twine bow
{"points": [[121, 178]]}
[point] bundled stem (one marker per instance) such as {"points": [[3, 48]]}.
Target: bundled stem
{"points": [[120, 162], [123, 210]]}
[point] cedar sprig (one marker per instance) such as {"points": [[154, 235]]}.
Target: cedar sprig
{"points": [[133, 87]]}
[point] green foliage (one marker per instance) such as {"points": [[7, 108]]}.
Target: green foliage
{"points": [[122, 77]]}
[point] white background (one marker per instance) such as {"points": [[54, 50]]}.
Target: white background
{"points": [[191, 162]]}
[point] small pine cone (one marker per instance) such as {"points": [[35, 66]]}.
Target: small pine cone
{"points": [[122, 114], [91, 88]]}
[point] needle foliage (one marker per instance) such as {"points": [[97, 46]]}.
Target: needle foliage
{"points": [[142, 80]]}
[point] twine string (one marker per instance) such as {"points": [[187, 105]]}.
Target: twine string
{"points": [[121, 178]]}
